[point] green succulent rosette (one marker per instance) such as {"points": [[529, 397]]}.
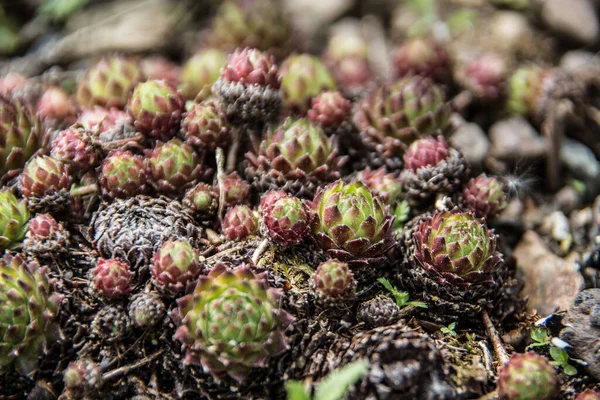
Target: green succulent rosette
{"points": [[232, 323], [28, 306], [351, 223]]}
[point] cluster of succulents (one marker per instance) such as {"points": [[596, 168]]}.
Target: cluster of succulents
{"points": [[232, 220]]}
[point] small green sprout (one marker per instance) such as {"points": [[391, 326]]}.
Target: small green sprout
{"points": [[540, 338], [449, 330], [332, 387], [401, 298], [561, 359]]}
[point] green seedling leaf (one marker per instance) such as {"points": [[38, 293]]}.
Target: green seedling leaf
{"points": [[297, 391], [335, 385], [401, 298]]}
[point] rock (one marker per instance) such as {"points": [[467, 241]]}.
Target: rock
{"points": [[510, 30], [513, 139], [582, 330], [575, 19], [311, 15], [472, 142], [575, 60], [557, 225], [550, 282], [582, 162], [567, 199]]}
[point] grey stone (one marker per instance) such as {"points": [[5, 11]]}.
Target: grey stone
{"points": [[514, 139], [582, 329], [551, 283], [575, 19], [472, 142]]}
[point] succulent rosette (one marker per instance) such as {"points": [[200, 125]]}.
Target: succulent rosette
{"points": [[453, 262], [232, 323], [431, 167], [285, 218], [77, 147], [261, 24], [101, 119], [200, 72], [385, 185], [56, 105], [249, 88], [206, 127], [20, 134], [236, 190], [532, 89], [240, 222], [201, 200], [175, 266], [333, 281], [45, 183], [485, 77], [350, 223], [422, 57], [295, 157], [46, 238], [28, 307], [112, 278], [391, 117], [146, 310], [528, 376], [156, 108], [333, 112], [123, 175], [109, 82], [303, 77], [14, 218], [174, 166], [133, 229], [347, 57], [379, 311], [484, 196]]}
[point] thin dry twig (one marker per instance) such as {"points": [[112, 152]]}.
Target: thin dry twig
{"points": [[122, 371], [495, 339]]}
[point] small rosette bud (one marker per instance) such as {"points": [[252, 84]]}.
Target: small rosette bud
{"points": [[146, 310], [175, 266], [174, 166], [236, 189], [109, 82], [46, 238], [285, 218], [123, 175], [200, 72], [112, 278], [240, 222], [431, 167], [528, 377], [332, 112], [484, 196], [422, 57], [205, 126], [202, 200], [249, 88], [302, 78], [333, 281], [76, 147], [156, 108]]}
